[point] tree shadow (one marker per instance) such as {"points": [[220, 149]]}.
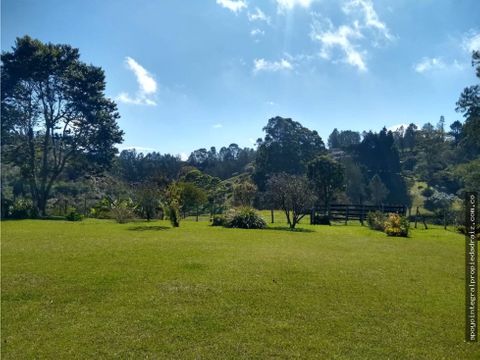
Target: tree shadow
{"points": [[286, 228], [148, 228]]}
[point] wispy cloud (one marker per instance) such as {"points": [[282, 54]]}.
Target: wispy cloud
{"points": [[428, 64], [370, 18], [147, 86], [233, 5], [217, 126], [271, 66], [341, 38], [257, 32], [283, 5], [471, 41], [258, 15]]}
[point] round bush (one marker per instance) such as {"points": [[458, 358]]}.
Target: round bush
{"points": [[245, 218], [397, 225]]}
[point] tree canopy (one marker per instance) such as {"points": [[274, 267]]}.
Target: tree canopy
{"points": [[54, 112]]}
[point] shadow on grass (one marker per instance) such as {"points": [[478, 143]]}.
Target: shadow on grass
{"points": [[148, 228], [286, 228]]}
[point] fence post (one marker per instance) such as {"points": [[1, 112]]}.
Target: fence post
{"points": [[272, 215], [346, 216], [312, 216]]}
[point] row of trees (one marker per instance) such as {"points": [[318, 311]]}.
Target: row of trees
{"points": [[59, 133]]}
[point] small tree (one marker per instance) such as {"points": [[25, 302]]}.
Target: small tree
{"points": [[244, 193], [147, 197], [173, 198], [293, 194], [378, 190], [191, 197], [327, 176]]}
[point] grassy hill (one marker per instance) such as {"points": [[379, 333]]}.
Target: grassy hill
{"points": [[97, 289]]}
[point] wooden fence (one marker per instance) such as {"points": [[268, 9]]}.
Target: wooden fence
{"points": [[348, 212]]}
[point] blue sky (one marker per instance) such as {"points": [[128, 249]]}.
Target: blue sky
{"points": [[196, 73]]}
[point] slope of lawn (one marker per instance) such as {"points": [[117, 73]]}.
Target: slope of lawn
{"points": [[97, 289]]}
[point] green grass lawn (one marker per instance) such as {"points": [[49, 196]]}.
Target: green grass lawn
{"points": [[97, 289]]}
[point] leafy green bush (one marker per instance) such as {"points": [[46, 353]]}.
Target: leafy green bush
{"points": [[219, 220], [21, 209], [73, 215], [123, 211], [245, 218], [397, 225], [376, 220]]}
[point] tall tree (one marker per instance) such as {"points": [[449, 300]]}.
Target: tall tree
{"points": [[54, 111], [327, 175], [378, 190], [469, 105], [287, 147]]}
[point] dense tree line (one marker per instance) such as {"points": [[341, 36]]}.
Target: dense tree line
{"points": [[59, 133]]}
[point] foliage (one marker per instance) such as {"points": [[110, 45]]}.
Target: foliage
{"points": [[427, 192], [219, 220], [225, 163], [343, 139], [376, 220], [147, 197], [378, 154], [397, 225], [74, 215], [21, 209], [327, 175], [287, 147], [292, 194], [244, 193], [54, 114], [173, 204], [244, 218], [123, 210], [378, 190], [191, 196]]}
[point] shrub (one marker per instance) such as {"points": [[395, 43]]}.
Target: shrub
{"points": [[123, 211], [321, 220], [22, 209], [376, 220], [245, 218], [397, 225], [73, 215], [173, 213], [219, 220]]}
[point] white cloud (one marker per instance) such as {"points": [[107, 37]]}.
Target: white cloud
{"points": [[258, 15], [217, 126], [264, 65], [471, 41], [257, 32], [427, 64], [341, 38], [147, 86], [233, 5], [370, 16], [290, 4]]}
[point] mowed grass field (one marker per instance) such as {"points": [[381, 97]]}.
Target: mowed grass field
{"points": [[97, 289]]}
